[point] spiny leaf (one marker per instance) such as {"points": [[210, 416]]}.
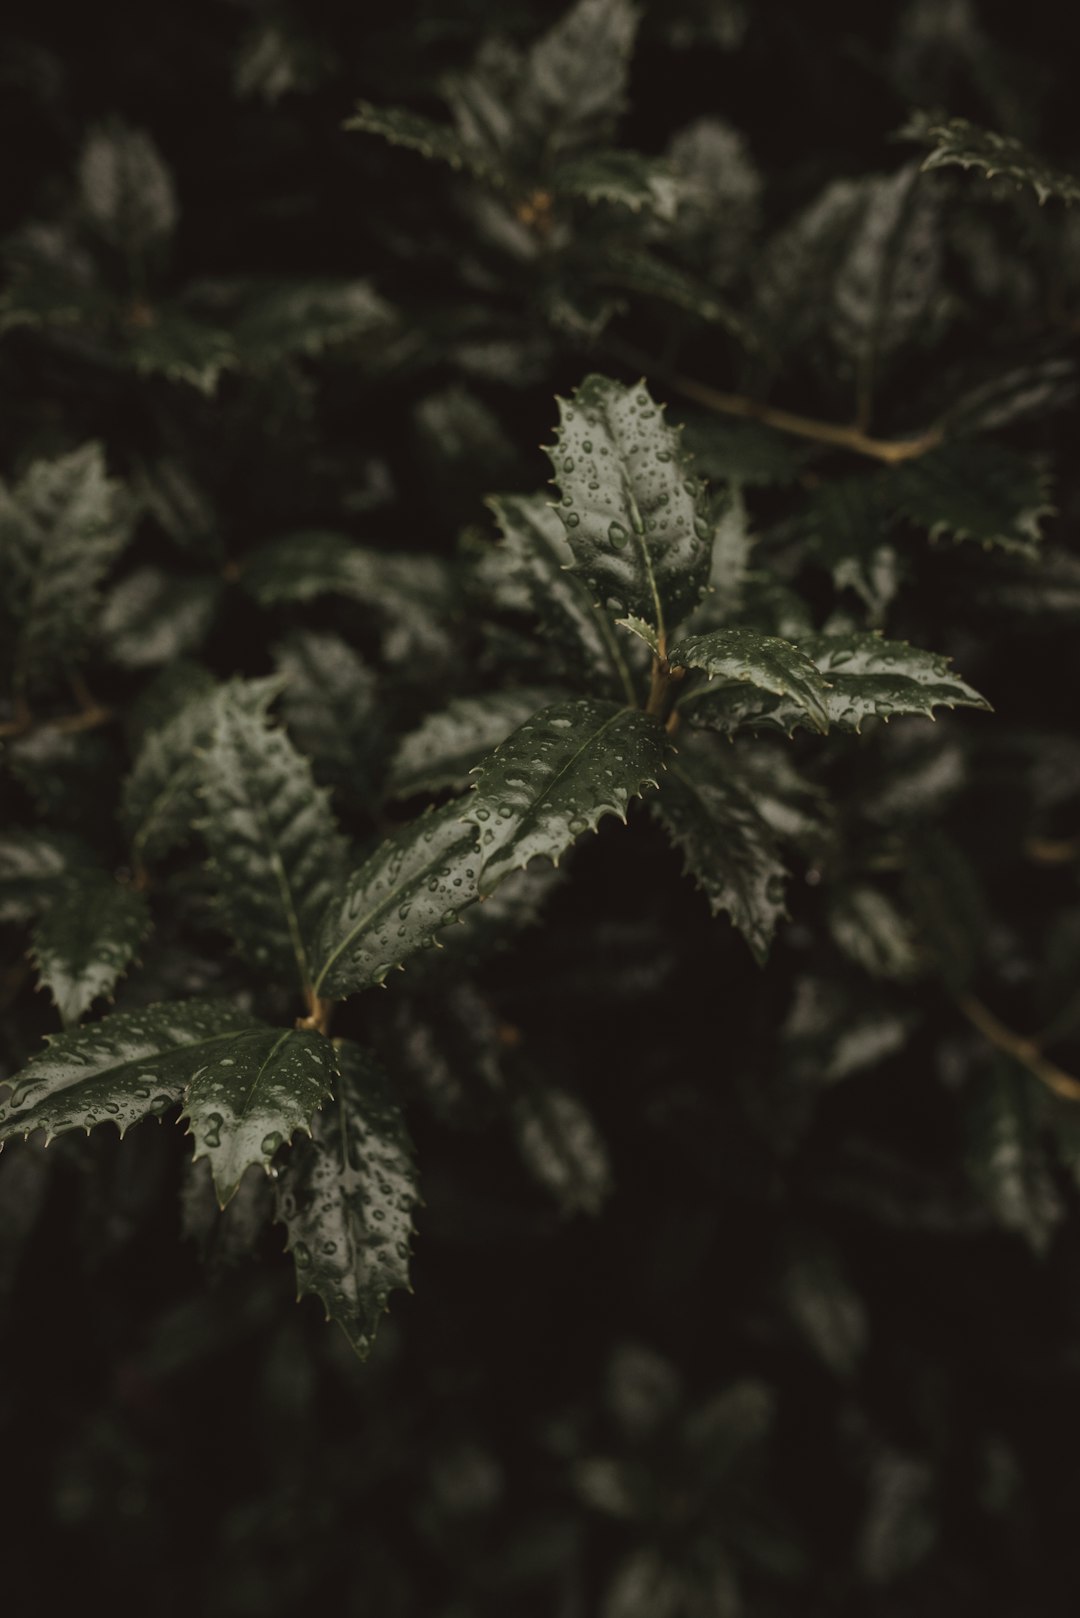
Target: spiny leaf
{"points": [[170, 341], [153, 617], [396, 902], [133, 1065], [535, 543], [956, 141], [633, 516], [624, 178], [718, 194], [556, 777], [87, 938], [277, 853], [60, 529], [160, 805], [250, 1098], [974, 490], [442, 750], [764, 662], [400, 127], [346, 1199], [309, 318], [639, 270], [863, 676], [33, 867], [643, 631], [728, 849]]}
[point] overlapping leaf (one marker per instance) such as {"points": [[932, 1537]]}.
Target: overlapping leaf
{"points": [[442, 750], [248, 1099], [133, 1065], [556, 777], [761, 662], [957, 141], [396, 902], [633, 515], [346, 1199], [87, 938], [728, 848], [276, 850]]}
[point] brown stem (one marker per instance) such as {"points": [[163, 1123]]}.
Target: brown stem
{"points": [[662, 679], [890, 450], [1052, 850], [1023, 1050], [319, 1013]]}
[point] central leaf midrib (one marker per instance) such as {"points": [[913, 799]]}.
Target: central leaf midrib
{"points": [[136, 1062], [392, 897], [534, 808]]}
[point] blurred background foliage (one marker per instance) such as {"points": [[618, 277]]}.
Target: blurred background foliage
{"points": [[736, 1291]]}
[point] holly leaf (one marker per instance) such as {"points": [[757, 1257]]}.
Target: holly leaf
{"points": [[634, 518], [863, 676], [308, 318], [443, 749], [125, 190], [346, 1198], [575, 77], [1006, 1158], [764, 662], [562, 1148], [955, 141], [87, 938], [440, 142], [535, 544], [34, 865], [250, 1098], [275, 849], [625, 179], [727, 847], [974, 490], [396, 902], [154, 617], [132, 1065], [61, 528], [160, 804], [330, 706], [556, 777]]}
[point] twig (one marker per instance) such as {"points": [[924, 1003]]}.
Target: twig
{"points": [[1023, 1050], [890, 450], [1052, 850]]}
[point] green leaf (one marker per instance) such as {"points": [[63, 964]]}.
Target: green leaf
{"points": [[824, 1306], [643, 631], [442, 750], [727, 847], [131, 1066], [624, 178], [309, 318], [125, 190], [575, 77], [974, 490], [396, 902], [34, 865], [250, 1098], [744, 452], [275, 848], [60, 530], [556, 777], [413, 594], [169, 341], [153, 617], [330, 706], [638, 270], [867, 675], [718, 197], [764, 662], [346, 1199], [863, 676], [159, 802], [956, 141], [535, 544], [87, 938], [1006, 1158], [562, 1148], [634, 518], [872, 932], [401, 127]]}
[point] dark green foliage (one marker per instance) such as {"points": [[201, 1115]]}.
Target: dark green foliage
{"points": [[702, 1197]]}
